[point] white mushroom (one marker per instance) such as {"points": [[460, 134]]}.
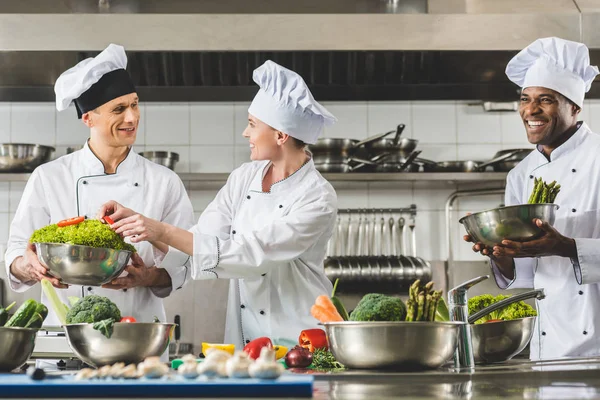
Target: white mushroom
{"points": [[116, 370], [104, 371], [189, 358], [237, 366], [189, 367], [265, 366], [216, 355], [152, 368], [86, 373], [212, 368], [130, 372]]}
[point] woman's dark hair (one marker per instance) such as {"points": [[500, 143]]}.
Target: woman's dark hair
{"points": [[299, 144]]}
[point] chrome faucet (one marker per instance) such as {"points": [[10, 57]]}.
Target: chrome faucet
{"points": [[537, 294], [459, 311]]}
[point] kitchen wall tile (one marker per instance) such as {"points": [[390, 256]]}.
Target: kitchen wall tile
{"points": [[201, 198], [464, 250], [69, 129], [140, 139], [33, 123], [61, 150], [475, 125], [210, 297], [585, 112], [477, 152], [241, 155], [433, 152], [5, 122], [4, 196], [432, 199], [478, 203], [240, 122], [513, 130], [430, 233], [211, 159], [167, 124], [212, 123], [4, 224], [434, 122], [16, 192], [183, 165], [386, 195], [356, 197], [593, 115], [383, 116], [352, 120]]}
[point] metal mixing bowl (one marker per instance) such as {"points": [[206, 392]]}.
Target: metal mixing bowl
{"points": [[23, 157], [392, 345], [513, 223], [129, 343], [166, 158], [82, 265], [16, 346], [500, 341]]}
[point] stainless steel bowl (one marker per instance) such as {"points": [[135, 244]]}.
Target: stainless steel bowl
{"points": [[16, 346], [513, 223], [500, 341], [23, 157], [392, 345], [82, 265], [129, 343], [166, 158]]}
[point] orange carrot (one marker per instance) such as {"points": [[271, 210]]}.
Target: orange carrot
{"points": [[325, 302], [323, 315]]}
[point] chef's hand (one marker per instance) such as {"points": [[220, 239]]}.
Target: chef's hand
{"points": [[478, 247], [140, 275], [140, 228], [114, 210], [28, 268], [551, 244]]}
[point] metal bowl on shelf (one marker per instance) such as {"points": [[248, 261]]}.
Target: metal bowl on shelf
{"points": [[513, 223], [16, 346], [23, 157], [82, 265], [500, 341], [392, 345], [166, 158], [129, 343]]}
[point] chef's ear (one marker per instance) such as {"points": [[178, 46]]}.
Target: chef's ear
{"points": [[282, 137], [575, 109], [87, 119]]}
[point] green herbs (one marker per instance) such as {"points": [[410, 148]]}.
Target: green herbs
{"points": [[543, 192], [324, 360], [512, 311], [87, 233]]}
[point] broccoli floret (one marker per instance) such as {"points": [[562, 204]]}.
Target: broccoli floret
{"points": [[379, 307], [92, 309], [516, 310], [90, 232]]}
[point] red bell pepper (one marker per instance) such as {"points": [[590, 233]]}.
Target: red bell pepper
{"points": [[253, 348], [313, 339]]}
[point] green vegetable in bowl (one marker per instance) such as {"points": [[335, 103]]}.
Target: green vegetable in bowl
{"points": [[379, 307], [92, 309], [91, 233], [512, 311], [543, 192]]}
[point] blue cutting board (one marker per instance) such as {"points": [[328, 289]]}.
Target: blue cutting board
{"points": [[21, 386]]}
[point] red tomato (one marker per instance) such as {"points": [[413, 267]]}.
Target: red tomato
{"points": [[70, 221], [128, 319], [493, 320]]}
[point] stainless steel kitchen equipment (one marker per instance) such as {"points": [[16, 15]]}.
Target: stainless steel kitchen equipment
{"points": [[129, 343], [82, 265], [166, 158], [16, 346], [381, 143], [505, 160], [500, 341], [450, 166], [392, 345], [23, 157]]}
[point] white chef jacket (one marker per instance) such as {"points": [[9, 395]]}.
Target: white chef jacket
{"points": [[76, 185], [569, 316], [272, 246]]}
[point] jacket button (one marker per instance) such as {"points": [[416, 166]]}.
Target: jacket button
{"points": [[84, 182], [89, 288], [585, 332], [543, 333], [263, 274], [573, 170], [280, 206], [248, 197], [247, 341], [580, 292], [242, 306], [233, 232], [136, 184], [530, 176], [573, 209], [262, 312]]}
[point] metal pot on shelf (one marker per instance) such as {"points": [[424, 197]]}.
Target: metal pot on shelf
{"points": [[396, 145], [397, 163]]}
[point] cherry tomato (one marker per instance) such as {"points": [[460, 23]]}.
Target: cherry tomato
{"points": [[128, 319], [70, 221], [108, 220]]}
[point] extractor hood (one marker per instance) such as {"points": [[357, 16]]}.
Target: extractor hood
{"points": [[187, 50]]}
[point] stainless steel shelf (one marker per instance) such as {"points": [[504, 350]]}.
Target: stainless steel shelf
{"points": [[350, 177]]}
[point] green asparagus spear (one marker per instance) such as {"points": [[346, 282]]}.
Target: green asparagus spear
{"points": [[428, 301], [421, 305]]}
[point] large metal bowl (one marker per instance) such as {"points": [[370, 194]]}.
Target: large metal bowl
{"points": [[167, 158], [392, 345], [495, 342], [16, 346], [82, 265], [23, 157], [512, 223], [129, 343]]}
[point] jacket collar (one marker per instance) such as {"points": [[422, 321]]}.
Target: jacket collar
{"points": [[283, 185], [95, 167], [574, 142]]}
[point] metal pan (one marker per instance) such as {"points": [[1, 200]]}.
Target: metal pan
{"points": [[403, 165], [379, 143], [452, 166]]}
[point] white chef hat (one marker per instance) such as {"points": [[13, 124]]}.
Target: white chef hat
{"points": [[554, 63], [94, 81], [285, 103]]}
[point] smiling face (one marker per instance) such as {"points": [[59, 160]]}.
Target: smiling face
{"points": [[546, 115], [115, 123], [264, 140]]}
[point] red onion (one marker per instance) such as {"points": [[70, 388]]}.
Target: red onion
{"points": [[298, 357]]}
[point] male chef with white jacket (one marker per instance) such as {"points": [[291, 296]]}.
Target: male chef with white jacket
{"points": [[106, 168], [554, 75]]}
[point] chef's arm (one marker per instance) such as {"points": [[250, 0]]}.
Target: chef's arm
{"points": [[586, 262]]}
